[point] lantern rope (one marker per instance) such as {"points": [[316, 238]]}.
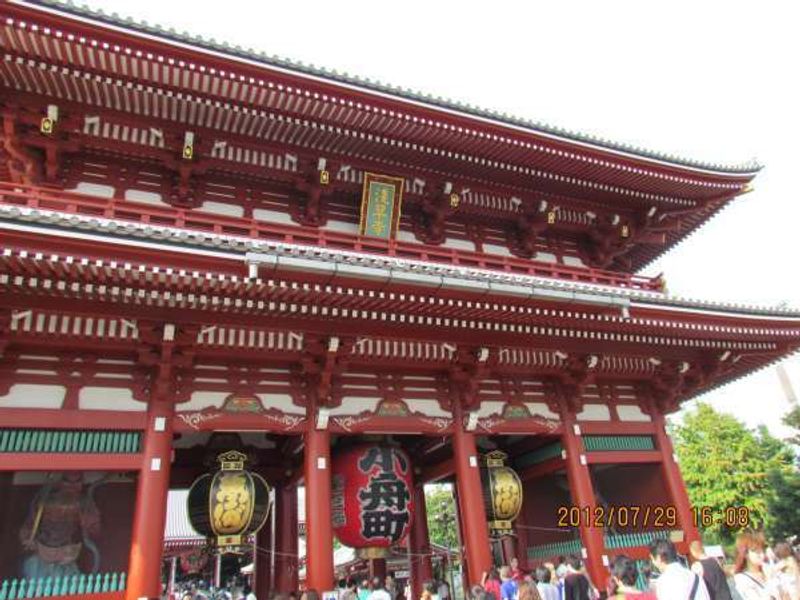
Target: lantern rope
{"points": [[564, 530], [263, 550]]}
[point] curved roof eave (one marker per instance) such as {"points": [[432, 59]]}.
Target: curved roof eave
{"points": [[407, 95]]}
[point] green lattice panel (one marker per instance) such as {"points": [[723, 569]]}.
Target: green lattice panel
{"points": [[76, 585], [630, 540], [603, 443], [58, 441], [564, 548]]}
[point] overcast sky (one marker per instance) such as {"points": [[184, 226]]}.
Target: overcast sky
{"points": [[709, 80]]}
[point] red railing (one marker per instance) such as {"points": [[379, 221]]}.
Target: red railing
{"points": [[194, 220]]}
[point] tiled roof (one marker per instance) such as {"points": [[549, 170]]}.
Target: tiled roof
{"points": [[250, 54]]}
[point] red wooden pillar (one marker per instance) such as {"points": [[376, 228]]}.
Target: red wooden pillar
{"points": [[262, 561], [286, 559], [580, 485], [676, 488], [319, 530], [419, 545], [470, 502], [150, 513]]}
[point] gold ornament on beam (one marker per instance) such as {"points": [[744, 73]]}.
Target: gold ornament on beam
{"points": [[48, 124], [188, 146], [324, 177], [625, 231], [455, 200], [551, 217]]}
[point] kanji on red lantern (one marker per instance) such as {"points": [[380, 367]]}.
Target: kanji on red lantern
{"points": [[372, 500]]}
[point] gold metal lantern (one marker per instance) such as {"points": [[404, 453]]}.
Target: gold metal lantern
{"points": [[502, 493], [229, 505]]}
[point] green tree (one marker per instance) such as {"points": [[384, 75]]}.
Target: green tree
{"points": [[726, 464], [792, 419], [441, 509], [784, 504], [783, 500]]}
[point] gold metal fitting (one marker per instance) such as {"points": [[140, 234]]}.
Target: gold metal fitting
{"points": [[625, 231], [324, 177], [455, 200], [188, 145], [232, 460], [551, 217], [47, 126]]}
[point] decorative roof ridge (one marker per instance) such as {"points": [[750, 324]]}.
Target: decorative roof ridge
{"points": [[239, 248], [85, 11]]}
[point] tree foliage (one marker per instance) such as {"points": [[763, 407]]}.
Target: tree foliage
{"points": [[784, 505], [441, 509], [792, 419], [726, 464]]}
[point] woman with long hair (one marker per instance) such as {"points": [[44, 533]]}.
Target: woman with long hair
{"points": [[788, 570], [750, 580]]}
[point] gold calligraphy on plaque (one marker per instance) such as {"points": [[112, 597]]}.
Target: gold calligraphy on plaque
{"points": [[380, 205]]}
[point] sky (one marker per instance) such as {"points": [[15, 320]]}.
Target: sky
{"points": [[710, 80]]}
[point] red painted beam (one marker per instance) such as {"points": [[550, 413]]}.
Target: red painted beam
{"points": [[266, 422], [437, 472], [623, 457], [328, 326], [520, 427], [551, 465], [53, 418], [113, 208], [50, 461]]}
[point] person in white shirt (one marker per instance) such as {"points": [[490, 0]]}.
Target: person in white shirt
{"points": [[546, 589], [444, 590], [676, 582], [248, 593], [378, 590]]}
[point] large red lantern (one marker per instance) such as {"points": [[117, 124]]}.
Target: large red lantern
{"points": [[373, 500]]}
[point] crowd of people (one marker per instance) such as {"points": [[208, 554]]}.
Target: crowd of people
{"points": [[200, 590], [350, 589], [757, 573]]}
